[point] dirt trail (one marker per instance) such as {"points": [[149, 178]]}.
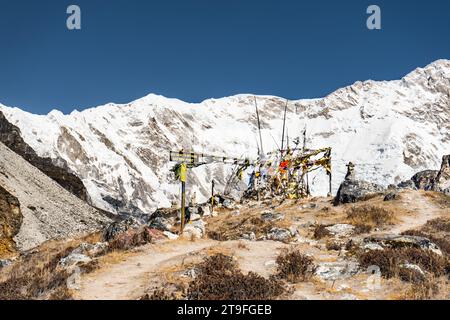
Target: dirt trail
{"points": [[132, 274], [127, 279], [422, 209]]}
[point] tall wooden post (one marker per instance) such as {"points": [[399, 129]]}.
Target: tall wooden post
{"points": [[183, 173], [212, 197], [331, 191], [183, 205]]}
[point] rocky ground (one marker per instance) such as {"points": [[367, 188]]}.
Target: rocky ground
{"points": [[372, 249], [368, 242]]}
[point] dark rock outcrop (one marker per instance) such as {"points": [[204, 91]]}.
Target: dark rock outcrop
{"points": [[352, 191], [442, 180], [10, 221], [408, 184], [117, 228], [403, 241], [10, 135], [391, 196], [424, 180]]}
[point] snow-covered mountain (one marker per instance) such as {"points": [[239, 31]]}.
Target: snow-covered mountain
{"points": [[389, 129]]}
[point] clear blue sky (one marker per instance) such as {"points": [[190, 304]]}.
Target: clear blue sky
{"points": [[198, 49]]}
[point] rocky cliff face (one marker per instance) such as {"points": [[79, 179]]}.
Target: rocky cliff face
{"points": [[442, 182], [49, 211], [10, 135], [10, 221], [389, 129]]}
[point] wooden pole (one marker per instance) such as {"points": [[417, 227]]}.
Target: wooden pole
{"points": [[331, 191], [212, 197], [183, 205], [183, 177], [284, 126], [259, 127]]}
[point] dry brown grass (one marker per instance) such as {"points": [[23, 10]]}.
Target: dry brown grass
{"points": [[294, 266], [438, 225], [321, 231], [440, 199], [220, 279], [36, 276], [389, 261], [369, 216], [424, 290], [233, 227]]}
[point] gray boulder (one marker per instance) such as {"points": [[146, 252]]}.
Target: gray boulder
{"points": [[424, 180], [403, 241], [228, 204], [279, 234], [5, 263], [160, 223], [117, 228], [391, 196], [407, 185], [271, 216], [74, 259], [332, 271], [442, 181], [352, 191], [341, 230], [92, 250]]}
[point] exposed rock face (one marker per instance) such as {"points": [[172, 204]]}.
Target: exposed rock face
{"points": [[424, 180], [117, 228], [10, 221], [352, 191], [49, 211], [10, 135], [408, 184], [442, 181]]}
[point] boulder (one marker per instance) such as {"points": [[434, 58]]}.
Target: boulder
{"points": [[407, 185], [442, 181], [74, 259], [228, 204], [424, 180], [332, 271], [413, 267], [352, 191], [371, 246], [391, 196], [196, 229], [120, 227], [279, 234], [341, 230], [401, 241], [170, 235], [5, 263], [160, 223], [92, 250], [249, 236], [269, 216]]}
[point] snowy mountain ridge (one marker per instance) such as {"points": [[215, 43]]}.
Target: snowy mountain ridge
{"points": [[389, 129]]}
